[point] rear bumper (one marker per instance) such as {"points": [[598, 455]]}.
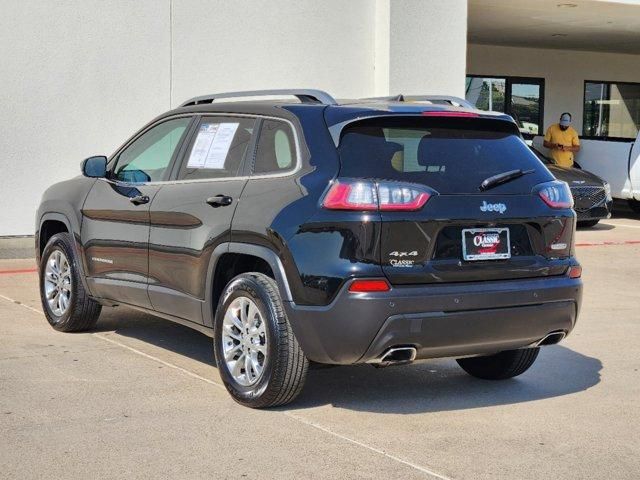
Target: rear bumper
{"points": [[438, 320]]}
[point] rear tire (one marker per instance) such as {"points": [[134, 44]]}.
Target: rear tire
{"points": [[587, 223], [634, 205], [503, 365], [257, 354], [65, 302]]}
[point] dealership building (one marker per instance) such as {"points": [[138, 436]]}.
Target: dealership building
{"points": [[79, 77]]}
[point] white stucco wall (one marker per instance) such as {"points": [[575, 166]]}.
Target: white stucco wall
{"points": [[420, 47], [564, 73], [428, 40], [227, 45], [78, 77], [75, 80]]}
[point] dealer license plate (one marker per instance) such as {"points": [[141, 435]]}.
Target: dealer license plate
{"points": [[485, 244]]}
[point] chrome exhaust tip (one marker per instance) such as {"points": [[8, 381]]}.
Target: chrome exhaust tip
{"points": [[552, 338], [395, 356]]}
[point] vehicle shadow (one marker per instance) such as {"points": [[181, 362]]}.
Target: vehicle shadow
{"points": [[440, 385], [157, 331], [598, 227], [425, 386], [622, 210]]}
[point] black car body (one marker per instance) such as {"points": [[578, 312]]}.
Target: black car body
{"points": [[591, 194], [368, 217]]}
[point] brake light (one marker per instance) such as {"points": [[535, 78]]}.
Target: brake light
{"points": [[361, 195], [556, 194], [575, 271], [364, 286], [446, 113], [368, 195]]}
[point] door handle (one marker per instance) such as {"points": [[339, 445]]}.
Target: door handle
{"points": [[139, 199], [220, 201]]}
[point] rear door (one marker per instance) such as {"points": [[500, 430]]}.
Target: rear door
{"points": [[192, 214], [115, 226], [461, 233]]}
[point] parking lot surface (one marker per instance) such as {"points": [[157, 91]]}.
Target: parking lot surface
{"points": [[140, 397]]}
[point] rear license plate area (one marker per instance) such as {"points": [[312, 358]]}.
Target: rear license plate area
{"points": [[485, 244]]}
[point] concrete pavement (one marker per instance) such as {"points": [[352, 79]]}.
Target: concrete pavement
{"points": [[140, 397]]}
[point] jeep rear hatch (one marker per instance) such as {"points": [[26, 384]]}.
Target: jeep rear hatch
{"points": [[440, 222]]}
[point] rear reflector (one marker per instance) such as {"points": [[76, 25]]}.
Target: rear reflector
{"points": [[575, 271], [447, 113], [362, 286], [368, 195]]}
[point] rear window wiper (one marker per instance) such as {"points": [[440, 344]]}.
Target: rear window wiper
{"points": [[501, 178]]}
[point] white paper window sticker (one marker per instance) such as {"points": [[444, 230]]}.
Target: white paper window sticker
{"points": [[212, 145]]}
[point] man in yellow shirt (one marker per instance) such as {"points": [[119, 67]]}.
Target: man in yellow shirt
{"points": [[563, 141]]}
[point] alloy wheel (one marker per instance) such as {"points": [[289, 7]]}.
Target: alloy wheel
{"points": [[244, 341], [57, 282]]}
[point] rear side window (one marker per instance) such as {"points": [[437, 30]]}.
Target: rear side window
{"points": [[450, 155], [276, 148], [217, 148]]}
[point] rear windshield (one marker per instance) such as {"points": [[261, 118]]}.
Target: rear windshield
{"points": [[450, 155]]}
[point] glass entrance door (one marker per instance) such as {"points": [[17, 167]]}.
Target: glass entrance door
{"points": [[520, 97], [525, 106]]}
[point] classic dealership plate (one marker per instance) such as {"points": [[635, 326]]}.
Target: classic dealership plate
{"points": [[485, 244]]}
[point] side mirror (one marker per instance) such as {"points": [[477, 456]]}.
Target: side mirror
{"points": [[94, 167]]}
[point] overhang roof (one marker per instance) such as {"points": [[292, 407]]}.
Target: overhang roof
{"points": [[591, 25]]}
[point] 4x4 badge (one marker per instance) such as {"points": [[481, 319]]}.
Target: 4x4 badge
{"points": [[493, 207]]}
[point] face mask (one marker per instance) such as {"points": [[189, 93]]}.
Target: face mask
{"points": [[563, 128]]}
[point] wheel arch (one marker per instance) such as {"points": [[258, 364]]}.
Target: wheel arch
{"points": [[50, 224], [235, 258]]}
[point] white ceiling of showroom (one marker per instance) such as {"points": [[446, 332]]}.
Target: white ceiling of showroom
{"points": [[577, 25]]}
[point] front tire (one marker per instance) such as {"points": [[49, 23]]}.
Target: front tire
{"points": [[634, 205], [503, 365], [65, 302], [257, 354]]}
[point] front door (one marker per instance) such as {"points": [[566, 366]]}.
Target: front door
{"points": [[192, 215], [115, 226]]}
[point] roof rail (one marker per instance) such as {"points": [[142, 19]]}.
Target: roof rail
{"points": [[304, 95], [455, 101]]}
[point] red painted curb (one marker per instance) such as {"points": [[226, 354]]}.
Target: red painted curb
{"points": [[23, 270], [600, 244]]}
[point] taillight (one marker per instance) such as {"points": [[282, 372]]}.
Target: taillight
{"points": [[401, 197], [556, 194], [368, 195], [351, 195], [364, 286]]}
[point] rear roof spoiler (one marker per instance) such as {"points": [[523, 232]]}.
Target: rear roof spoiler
{"points": [[335, 130]]}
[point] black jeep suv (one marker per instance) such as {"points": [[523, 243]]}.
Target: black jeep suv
{"points": [[368, 231]]}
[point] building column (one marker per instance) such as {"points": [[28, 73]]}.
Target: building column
{"points": [[421, 47]]}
